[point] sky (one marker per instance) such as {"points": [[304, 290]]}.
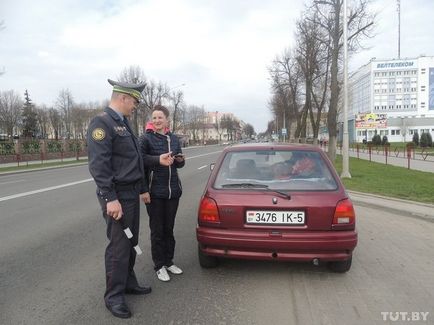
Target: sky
{"points": [[217, 52]]}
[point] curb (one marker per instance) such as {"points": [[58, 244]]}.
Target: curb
{"points": [[413, 209]]}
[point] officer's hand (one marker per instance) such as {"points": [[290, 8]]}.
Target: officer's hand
{"points": [[166, 159], [114, 209], [146, 198]]}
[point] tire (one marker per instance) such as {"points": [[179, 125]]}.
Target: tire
{"points": [[340, 266], [207, 261]]}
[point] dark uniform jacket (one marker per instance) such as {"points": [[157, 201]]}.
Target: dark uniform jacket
{"points": [[114, 157], [163, 181]]}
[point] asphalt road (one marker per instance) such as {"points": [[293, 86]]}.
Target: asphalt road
{"points": [[52, 270]]}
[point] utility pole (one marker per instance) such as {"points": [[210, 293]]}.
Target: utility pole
{"points": [[398, 8], [345, 139]]}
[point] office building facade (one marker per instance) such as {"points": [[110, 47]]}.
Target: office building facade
{"points": [[393, 98]]}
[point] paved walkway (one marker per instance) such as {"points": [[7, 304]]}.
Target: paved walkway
{"points": [[415, 164]]}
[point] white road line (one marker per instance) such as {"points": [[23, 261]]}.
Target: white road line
{"points": [[202, 167], [205, 154], [15, 196], [11, 182], [10, 197]]}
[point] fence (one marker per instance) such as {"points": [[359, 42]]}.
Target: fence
{"points": [[22, 151]]}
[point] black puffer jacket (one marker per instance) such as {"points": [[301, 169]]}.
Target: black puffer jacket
{"points": [[163, 181]]}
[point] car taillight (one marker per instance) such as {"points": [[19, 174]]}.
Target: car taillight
{"points": [[208, 211], [344, 217]]}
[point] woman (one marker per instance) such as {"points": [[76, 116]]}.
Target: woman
{"points": [[164, 191]]}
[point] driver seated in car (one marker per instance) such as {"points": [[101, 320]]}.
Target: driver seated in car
{"points": [[282, 170], [303, 167]]}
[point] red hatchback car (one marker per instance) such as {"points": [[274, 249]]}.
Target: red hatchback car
{"points": [[276, 202]]}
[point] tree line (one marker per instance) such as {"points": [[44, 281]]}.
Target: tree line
{"points": [[67, 119], [306, 78]]}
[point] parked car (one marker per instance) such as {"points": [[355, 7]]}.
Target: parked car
{"points": [[276, 202]]}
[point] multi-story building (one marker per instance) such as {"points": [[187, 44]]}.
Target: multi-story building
{"points": [[393, 98]]}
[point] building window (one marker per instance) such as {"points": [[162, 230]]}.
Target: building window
{"points": [[395, 132]]}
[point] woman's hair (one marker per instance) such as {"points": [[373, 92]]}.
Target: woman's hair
{"points": [[162, 109]]}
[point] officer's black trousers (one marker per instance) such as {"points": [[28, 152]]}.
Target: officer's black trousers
{"points": [[162, 214], [120, 255]]}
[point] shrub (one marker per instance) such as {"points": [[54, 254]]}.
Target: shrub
{"points": [[30, 147], [425, 140], [384, 140], [416, 138], [376, 140], [7, 148]]}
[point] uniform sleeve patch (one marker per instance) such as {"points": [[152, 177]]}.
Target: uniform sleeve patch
{"points": [[98, 134]]}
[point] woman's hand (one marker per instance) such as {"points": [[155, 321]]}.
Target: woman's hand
{"points": [[146, 198]]}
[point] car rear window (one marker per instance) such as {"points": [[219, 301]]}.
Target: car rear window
{"points": [[295, 170]]}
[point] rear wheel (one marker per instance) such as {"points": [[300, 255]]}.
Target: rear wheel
{"points": [[207, 261], [340, 266]]}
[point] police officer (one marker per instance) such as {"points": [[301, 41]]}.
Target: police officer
{"points": [[117, 168]]}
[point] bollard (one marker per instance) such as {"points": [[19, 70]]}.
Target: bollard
{"points": [[385, 151], [408, 156]]}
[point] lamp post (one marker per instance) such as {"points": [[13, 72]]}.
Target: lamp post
{"points": [[345, 139]]}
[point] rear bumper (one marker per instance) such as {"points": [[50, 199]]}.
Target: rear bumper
{"points": [[263, 245]]}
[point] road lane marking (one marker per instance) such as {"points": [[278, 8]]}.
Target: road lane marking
{"points": [[15, 196], [202, 167], [11, 182], [205, 154]]}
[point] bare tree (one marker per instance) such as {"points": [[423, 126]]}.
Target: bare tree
{"points": [[286, 86], [314, 61], [65, 104], [217, 126], [56, 122], [43, 121], [249, 130], [177, 99], [360, 26], [10, 110], [134, 74], [195, 120]]}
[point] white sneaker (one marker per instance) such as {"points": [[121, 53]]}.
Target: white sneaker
{"points": [[174, 269], [163, 275]]}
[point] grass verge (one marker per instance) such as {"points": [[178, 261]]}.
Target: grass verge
{"points": [[388, 180]]}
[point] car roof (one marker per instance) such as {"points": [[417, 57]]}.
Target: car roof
{"points": [[271, 146]]}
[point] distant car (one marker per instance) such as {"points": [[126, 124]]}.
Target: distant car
{"points": [[276, 202]]}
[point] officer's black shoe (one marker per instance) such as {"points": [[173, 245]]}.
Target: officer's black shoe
{"points": [[120, 310], [138, 290]]}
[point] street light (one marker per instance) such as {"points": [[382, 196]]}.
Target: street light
{"points": [[345, 139]]}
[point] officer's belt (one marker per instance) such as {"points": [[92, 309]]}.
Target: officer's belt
{"points": [[128, 187]]}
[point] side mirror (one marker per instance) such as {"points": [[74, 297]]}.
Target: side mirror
{"points": [[211, 166]]}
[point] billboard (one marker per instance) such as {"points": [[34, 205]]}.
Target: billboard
{"points": [[371, 121], [431, 89]]}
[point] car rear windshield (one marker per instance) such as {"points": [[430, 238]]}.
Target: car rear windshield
{"points": [[295, 170]]}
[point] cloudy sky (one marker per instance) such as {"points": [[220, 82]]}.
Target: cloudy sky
{"points": [[219, 49]]}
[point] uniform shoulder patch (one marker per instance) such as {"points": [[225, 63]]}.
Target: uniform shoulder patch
{"points": [[98, 134]]}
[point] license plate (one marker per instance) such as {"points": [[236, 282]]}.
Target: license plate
{"points": [[275, 217]]}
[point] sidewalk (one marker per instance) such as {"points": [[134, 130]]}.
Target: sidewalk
{"points": [[403, 207]]}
